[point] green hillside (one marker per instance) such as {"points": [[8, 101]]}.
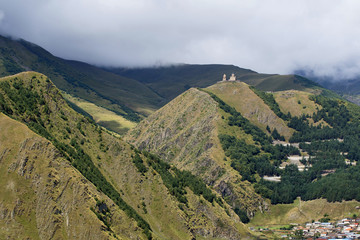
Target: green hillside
{"points": [[122, 95], [131, 93], [232, 127], [43, 197], [156, 199]]}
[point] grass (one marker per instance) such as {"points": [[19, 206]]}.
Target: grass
{"points": [[296, 102], [102, 116], [113, 158], [245, 101], [304, 211], [224, 128], [12, 185]]}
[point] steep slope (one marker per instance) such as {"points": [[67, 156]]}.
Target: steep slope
{"points": [[160, 200], [119, 94], [245, 101], [224, 127], [222, 133], [185, 133], [43, 197], [171, 81]]}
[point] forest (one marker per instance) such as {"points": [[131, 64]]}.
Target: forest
{"points": [[329, 144]]}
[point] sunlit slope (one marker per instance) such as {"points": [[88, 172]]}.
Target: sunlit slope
{"points": [[106, 118], [185, 133], [296, 102], [43, 197], [140, 189], [245, 101], [302, 212]]}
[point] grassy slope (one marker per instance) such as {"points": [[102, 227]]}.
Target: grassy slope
{"points": [[185, 133], [244, 100], [113, 157], [88, 82], [296, 102], [42, 195], [305, 211], [102, 116]]}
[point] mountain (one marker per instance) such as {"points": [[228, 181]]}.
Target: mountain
{"points": [[185, 133], [225, 135], [44, 197], [170, 81], [129, 94], [65, 177], [122, 95], [349, 88]]}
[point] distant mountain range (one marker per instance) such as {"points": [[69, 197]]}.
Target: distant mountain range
{"points": [[203, 157], [132, 93], [349, 88]]}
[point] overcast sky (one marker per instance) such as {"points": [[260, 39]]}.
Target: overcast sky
{"points": [[272, 36]]}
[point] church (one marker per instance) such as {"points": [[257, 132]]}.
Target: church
{"points": [[231, 79]]}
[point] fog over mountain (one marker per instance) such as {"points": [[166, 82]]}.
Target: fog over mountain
{"points": [[274, 36]]}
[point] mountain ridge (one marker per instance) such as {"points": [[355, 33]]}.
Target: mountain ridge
{"points": [[160, 200]]}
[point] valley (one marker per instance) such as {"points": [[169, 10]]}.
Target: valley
{"points": [[170, 152]]}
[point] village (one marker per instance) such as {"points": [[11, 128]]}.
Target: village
{"points": [[347, 228]]}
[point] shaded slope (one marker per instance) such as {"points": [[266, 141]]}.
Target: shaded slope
{"points": [[171, 81], [120, 94], [185, 132], [281, 82], [138, 193]]}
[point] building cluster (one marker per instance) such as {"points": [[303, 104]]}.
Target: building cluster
{"points": [[231, 79], [346, 228]]}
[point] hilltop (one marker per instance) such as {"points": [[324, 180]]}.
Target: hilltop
{"points": [[170, 81], [185, 133], [124, 192], [129, 94], [230, 127]]}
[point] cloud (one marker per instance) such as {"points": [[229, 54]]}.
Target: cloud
{"points": [[273, 36]]}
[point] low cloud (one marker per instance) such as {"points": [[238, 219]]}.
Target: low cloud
{"points": [[273, 36]]}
